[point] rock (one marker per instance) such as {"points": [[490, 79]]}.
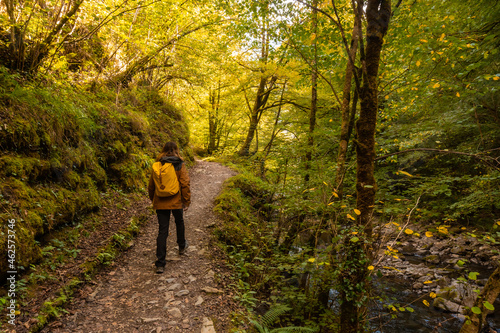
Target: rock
{"points": [[458, 292], [408, 247], [150, 320], [207, 326], [443, 282], [457, 250], [439, 246], [212, 290], [432, 259], [169, 295], [418, 285], [199, 301], [171, 280], [182, 293], [175, 287], [447, 305], [175, 312], [210, 274]]}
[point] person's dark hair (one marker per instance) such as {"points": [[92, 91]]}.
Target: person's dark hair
{"points": [[170, 149]]}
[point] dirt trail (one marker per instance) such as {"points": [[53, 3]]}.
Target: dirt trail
{"points": [[188, 297]]}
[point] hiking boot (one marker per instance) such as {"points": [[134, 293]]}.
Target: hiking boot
{"points": [[183, 250], [160, 269]]}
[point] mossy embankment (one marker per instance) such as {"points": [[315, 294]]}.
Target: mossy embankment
{"points": [[61, 146]]}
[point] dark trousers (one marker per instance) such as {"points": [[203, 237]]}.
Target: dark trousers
{"points": [[161, 240]]}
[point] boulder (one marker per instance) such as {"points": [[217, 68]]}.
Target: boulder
{"points": [[447, 305]]}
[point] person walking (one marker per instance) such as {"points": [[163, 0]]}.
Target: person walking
{"points": [[164, 205]]}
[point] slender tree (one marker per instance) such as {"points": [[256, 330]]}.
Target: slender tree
{"points": [[355, 272]]}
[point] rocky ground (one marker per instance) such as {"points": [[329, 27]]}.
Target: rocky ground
{"points": [[189, 297], [437, 267]]}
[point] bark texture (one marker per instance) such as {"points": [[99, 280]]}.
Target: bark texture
{"points": [[378, 13]]}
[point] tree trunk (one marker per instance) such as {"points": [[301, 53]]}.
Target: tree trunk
{"points": [[346, 98], [357, 254], [489, 294], [213, 120], [314, 92], [263, 91]]}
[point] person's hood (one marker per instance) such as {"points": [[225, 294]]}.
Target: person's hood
{"points": [[176, 161]]}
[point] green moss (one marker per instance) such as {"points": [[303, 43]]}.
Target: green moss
{"points": [[60, 150]]}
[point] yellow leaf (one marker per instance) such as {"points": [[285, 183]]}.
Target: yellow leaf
{"points": [[425, 302], [343, 206], [352, 218], [498, 222], [312, 189], [386, 96], [437, 85], [458, 94], [335, 194], [311, 259], [443, 230], [17, 312], [418, 63], [396, 224], [428, 234], [433, 295], [405, 173], [331, 203], [408, 231], [427, 282], [496, 78], [371, 268], [464, 228], [417, 234], [442, 37], [357, 211], [440, 53], [354, 233], [331, 120], [325, 183], [423, 40], [395, 257]]}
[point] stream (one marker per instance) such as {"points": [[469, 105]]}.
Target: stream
{"points": [[398, 291]]}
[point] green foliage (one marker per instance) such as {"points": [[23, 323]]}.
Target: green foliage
{"points": [[271, 317]]}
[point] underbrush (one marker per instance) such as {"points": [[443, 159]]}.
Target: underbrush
{"points": [[279, 285]]}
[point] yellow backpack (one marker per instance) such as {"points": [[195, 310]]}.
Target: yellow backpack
{"points": [[165, 178]]}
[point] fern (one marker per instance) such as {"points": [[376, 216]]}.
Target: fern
{"points": [[259, 327], [271, 316], [294, 329]]}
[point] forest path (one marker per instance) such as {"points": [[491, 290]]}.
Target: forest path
{"points": [[188, 297]]}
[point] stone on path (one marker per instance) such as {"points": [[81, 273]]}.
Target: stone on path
{"points": [[182, 293], [212, 290], [175, 312], [175, 287], [150, 320], [199, 301], [207, 326]]}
